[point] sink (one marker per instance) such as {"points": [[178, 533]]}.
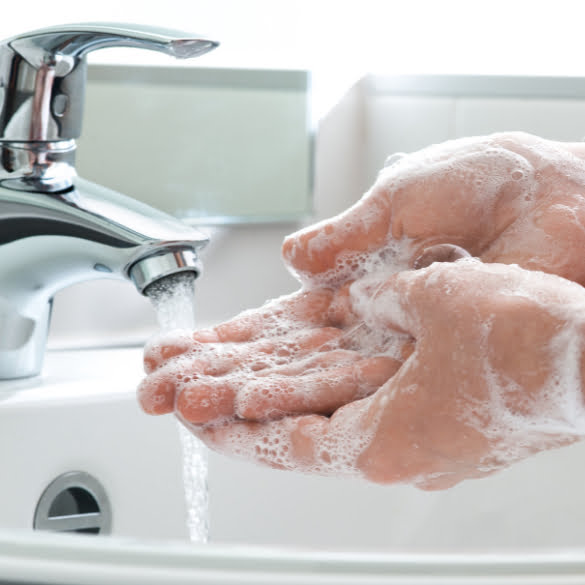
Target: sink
{"points": [[64, 560], [81, 415]]}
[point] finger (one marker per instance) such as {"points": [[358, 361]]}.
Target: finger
{"points": [[301, 309], [225, 357], [199, 399], [190, 356], [162, 348], [156, 394], [259, 355], [320, 392], [312, 443], [288, 349], [362, 228], [302, 385], [320, 361], [200, 386], [208, 399]]}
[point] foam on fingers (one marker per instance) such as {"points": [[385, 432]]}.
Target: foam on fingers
{"points": [[313, 363], [360, 229], [514, 341], [309, 444], [156, 395], [207, 400], [322, 391], [160, 348], [278, 317]]}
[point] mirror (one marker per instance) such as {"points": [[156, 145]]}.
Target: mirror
{"points": [[206, 145]]}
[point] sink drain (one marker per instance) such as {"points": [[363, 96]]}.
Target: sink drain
{"points": [[74, 502]]}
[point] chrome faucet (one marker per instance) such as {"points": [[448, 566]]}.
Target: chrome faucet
{"points": [[55, 228]]}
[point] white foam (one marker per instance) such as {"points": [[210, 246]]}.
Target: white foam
{"points": [[335, 444], [554, 413], [557, 413]]}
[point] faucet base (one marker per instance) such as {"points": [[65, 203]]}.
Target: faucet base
{"points": [[23, 341], [38, 167]]}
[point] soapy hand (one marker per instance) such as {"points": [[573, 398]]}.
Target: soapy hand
{"points": [[313, 382], [510, 198], [494, 376], [301, 353]]}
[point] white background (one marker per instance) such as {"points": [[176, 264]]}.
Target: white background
{"points": [[520, 37]]}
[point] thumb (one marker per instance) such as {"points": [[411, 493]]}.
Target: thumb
{"points": [[362, 228]]}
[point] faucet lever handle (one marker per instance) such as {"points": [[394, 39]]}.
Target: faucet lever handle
{"points": [[43, 72], [63, 46]]}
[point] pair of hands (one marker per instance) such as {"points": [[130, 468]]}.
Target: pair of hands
{"points": [[391, 367]]}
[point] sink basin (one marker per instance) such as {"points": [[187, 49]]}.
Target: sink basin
{"points": [[81, 416], [266, 526]]}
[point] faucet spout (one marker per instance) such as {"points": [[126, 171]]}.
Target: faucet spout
{"points": [[52, 240], [56, 228]]}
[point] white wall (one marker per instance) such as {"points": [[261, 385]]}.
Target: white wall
{"points": [[518, 37]]}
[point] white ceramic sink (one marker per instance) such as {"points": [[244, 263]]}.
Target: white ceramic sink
{"points": [[81, 415], [60, 560]]}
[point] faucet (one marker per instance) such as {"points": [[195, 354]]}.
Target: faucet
{"points": [[57, 229]]}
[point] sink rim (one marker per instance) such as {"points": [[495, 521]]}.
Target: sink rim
{"points": [[68, 370], [61, 558]]}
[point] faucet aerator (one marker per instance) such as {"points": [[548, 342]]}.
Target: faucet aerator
{"points": [[161, 264]]}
